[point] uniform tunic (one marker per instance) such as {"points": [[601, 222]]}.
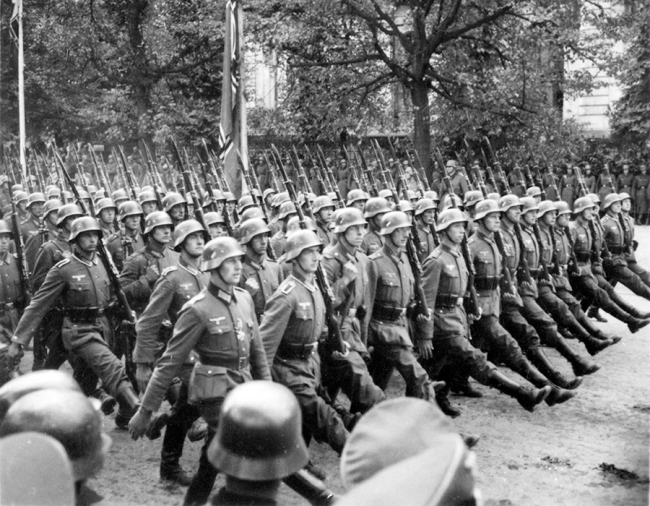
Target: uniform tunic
{"points": [[292, 325], [121, 246], [11, 297], [30, 227], [372, 242], [640, 193], [427, 243], [265, 276], [624, 183]]}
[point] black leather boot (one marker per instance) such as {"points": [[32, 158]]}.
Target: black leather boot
{"points": [[129, 404], [446, 407], [528, 398], [539, 359], [557, 396]]}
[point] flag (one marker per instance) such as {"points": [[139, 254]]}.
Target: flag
{"points": [[232, 127], [13, 20]]}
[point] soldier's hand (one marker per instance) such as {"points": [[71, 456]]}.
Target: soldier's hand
{"points": [[252, 285], [139, 423], [350, 272], [426, 348], [14, 354], [421, 318], [152, 273], [143, 376], [341, 356]]}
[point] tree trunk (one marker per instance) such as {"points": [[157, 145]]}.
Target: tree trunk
{"points": [[141, 82], [422, 125]]}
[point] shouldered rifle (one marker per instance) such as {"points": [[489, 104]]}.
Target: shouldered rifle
{"points": [[330, 174], [334, 337], [323, 179], [187, 178], [128, 176], [301, 171], [497, 165], [113, 275], [420, 172], [368, 172], [25, 282], [152, 172], [352, 168], [474, 306], [98, 170]]}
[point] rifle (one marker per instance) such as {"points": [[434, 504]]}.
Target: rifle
{"points": [[153, 173], [98, 170], [129, 180], [113, 275], [330, 174], [423, 176], [497, 165], [25, 282], [368, 172], [311, 488], [189, 184]]}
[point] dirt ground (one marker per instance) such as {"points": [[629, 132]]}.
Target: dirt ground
{"points": [[592, 450]]}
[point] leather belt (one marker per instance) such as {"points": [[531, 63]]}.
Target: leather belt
{"points": [[448, 301], [293, 351], [617, 250], [228, 363], [388, 313], [6, 306], [487, 283], [83, 314]]}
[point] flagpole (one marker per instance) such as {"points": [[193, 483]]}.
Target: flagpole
{"points": [[241, 98], [21, 90]]}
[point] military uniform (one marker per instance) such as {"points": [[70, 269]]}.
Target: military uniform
{"points": [[624, 183], [292, 325], [121, 246], [606, 186], [34, 243], [81, 290], [459, 184], [630, 257], [427, 242], [590, 183], [517, 186], [30, 227], [569, 188], [325, 234], [12, 298], [616, 267], [350, 374], [391, 292], [220, 326], [640, 195], [548, 182], [265, 276], [278, 242], [372, 242]]}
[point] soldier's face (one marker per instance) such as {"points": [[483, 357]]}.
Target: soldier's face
{"points": [[530, 218], [107, 215], [563, 220], [354, 235], [193, 244], [588, 213], [492, 222], [51, 217], [259, 243], [216, 231], [177, 212], [36, 209], [615, 207], [87, 242], [428, 217], [326, 214], [513, 214], [549, 218], [5, 240], [162, 234], [22, 206], [308, 259], [400, 236], [359, 204], [626, 205], [455, 232], [230, 270], [149, 207], [132, 222]]}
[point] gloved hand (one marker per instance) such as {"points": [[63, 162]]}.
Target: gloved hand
{"points": [[152, 274]]}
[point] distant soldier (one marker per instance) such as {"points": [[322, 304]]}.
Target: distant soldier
{"points": [[32, 224], [606, 185], [459, 184], [633, 265], [625, 180], [323, 209], [640, 187], [47, 232], [425, 218], [589, 179], [374, 212], [106, 210], [515, 181], [175, 205], [569, 186], [127, 240]]}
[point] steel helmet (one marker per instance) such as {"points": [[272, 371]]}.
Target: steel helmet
{"points": [[172, 199], [84, 224], [494, 196], [66, 211], [321, 202], [250, 213], [472, 197], [485, 207], [355, 195], [157, 219], [218, 195], [394, 220], [449, 217], [118, 195], [347, 218], [51, 206], [528, 204], [280, 199], [386, 194], [411, 195], [67, 416], [16, 188], [433, 195], [53, 192], [20, 196], [594, 198], [508, 201], [622, 195], [375, 206], [294, 224], [245, 202], [219, 250], [147, 196], [286, 209], [213, 218], [186, 228], [534, 191], [230, 197], [36, 198], [424, 204], [28, 383], [5, 228], [106, 203], [99, 194], [67, 196], [610, 199], [252, 227], [260, 433], [562, 207], [406, 206], [83, 194], [300, 240], [333, 196], [449, 199], [92, 189], [545, 206], [309, 196], [267, 192], [129, 208], [583, 203]]}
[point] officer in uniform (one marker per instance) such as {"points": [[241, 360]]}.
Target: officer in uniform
{"points": [[127, 240], [425, 219], [219, 324], [347, 273], [291, 327], [79, 286], [105, 210], [390, 294], [533, 314], [625, 180], [32, 224], [177, 285], [258, 443], [640, 193], [445, 283], [374, 212], [584, 280], [261, 276], [323, 210], [632, 264], [616, 267]]}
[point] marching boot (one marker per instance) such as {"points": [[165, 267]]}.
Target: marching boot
{"points": [[581, 366], [528, 398], [629, 308], [594, 313], [107, 402], [595, 345], [446, 407], [129, 404], [464, 387], [557, 396], [638, 325], [601, 336], [539, 359]]}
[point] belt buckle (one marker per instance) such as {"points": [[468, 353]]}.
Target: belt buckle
{"points": [[243, 362], [402, 312]]}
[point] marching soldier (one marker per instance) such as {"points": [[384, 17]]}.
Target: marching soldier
{"points": [[20, 197], [459, 184], [219, 324], [445, 283], [356, 198], [47, 232], [425, 218], [347, 273], [569, 186], [127, 240], [105, 210], [279, 239], [606, 185], [291, 328], [261, 276], [79, 286], [32, 225], [515, 182], [374, 212], [175, 205], [216, 224], [625, 180], [589, 179], [630, 257], [148, 202], [640, 193], [323, 210]]}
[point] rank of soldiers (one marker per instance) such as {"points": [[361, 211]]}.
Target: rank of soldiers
{"points": [[153, 295]]}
